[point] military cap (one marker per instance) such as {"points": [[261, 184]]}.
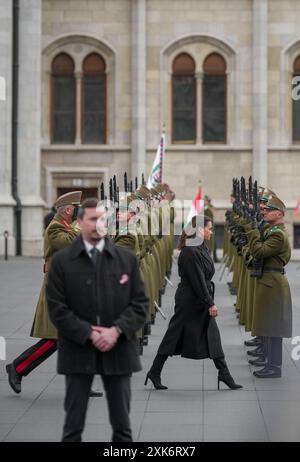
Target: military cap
{"points": [[140, 194], [143, 192], [165, 187], [70, 198], [124, 202], [267, 193], [260, 191], [160, 188], [155, 191], [275, 203]]}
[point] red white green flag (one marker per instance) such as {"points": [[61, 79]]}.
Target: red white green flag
{"points": [[156, 174]]}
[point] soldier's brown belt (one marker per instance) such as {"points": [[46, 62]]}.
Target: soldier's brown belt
{"points": [[47, 265], [274, 270]]}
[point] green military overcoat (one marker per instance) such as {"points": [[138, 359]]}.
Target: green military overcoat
{"points": [[58, 235], [272, 305], [209, 212]]}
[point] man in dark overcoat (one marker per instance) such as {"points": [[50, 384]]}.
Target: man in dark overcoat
{"points": [[97, 302]]}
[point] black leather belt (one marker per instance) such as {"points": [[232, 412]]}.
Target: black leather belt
{"points": [[274, 270]]}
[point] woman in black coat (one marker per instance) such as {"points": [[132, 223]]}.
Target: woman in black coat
{"points": [[193, 332]]}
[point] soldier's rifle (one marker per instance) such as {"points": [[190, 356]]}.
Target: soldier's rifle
{"points": [[125, 182], [230, 266], [223, 271], [238, 197], [102, 192], [160, 310], [168, 281], [257, 264], [110, 190], [243, 196], [223, 262], [234, 180]]}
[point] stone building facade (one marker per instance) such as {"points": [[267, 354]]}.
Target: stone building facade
{"points": [[139, 40]]}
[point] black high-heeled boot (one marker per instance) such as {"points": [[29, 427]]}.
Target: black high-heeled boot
{"points": [[224, 374], [155, 371]]}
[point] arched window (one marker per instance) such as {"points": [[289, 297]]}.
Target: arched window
{"points": [[63, 113], [183, 99], [296, 105], [214, 99], [94, 100]]}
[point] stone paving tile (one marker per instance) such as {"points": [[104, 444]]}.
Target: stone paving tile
{"points": [[171, 418], [192, 409], [4, 430], [102, 432], [41, 431], [171, 433], [236, 433]]}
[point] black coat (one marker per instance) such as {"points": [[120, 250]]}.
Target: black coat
{"points": [[79, 296], [192, 332]]}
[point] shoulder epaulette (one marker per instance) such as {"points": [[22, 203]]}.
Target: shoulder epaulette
{"points": [[275, 229]]}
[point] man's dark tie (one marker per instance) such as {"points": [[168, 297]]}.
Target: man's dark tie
{"points": [[94, 254]]}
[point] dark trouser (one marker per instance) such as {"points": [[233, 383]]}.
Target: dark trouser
{"points": [[274, 351], [264, 345], [34, 356], [118, 394]]}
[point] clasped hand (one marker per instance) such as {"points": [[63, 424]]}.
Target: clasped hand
{"points": [[213, 311], [104, 338]]}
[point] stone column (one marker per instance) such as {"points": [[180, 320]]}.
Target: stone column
{"points": [[78, 77], [138, 130], [199, 82], [6, 200], [29, 139], [260, 82]]}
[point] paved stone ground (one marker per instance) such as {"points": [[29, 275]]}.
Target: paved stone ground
{"points": [[191, 410]]}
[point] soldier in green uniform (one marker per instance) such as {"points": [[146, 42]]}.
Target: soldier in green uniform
{"points": [[209, 211], [58, 235], [144, 194], [169, 197], [272, 316], [259, 342], [127, 237], [127, 234]]}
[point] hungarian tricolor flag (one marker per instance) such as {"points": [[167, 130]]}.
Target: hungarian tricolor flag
{"points": [[156, 174], [197, 205]]}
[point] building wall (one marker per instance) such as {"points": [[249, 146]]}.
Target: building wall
{"points": [[168, 27]]}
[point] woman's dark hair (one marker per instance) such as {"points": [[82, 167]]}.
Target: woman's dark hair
{"points": [[90, 203], [190, 230]]}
